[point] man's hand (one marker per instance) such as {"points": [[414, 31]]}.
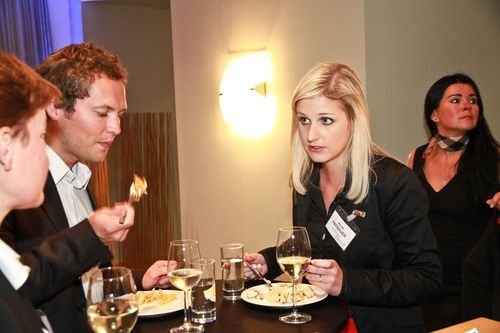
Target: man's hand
{"points": [[106, 222], [156, 275]]}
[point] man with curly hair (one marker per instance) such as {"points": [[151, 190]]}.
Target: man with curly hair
{"points": [[81, 127]]}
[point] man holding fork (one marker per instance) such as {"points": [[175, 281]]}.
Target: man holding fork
{"points": [[80, 127]]}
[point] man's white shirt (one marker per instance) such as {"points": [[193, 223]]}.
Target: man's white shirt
{"points": [[13, 269], [17, 274], [72, 188]]}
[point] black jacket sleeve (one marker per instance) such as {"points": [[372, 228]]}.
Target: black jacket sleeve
{"points": [[60, 259], [273, 269]]}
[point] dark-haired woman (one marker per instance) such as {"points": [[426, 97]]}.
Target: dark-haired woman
{"points": [[23, 169], [459, 168]]}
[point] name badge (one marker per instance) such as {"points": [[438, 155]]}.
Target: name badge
{"points": [[341, 230]]}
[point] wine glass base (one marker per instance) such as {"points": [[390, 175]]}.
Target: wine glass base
{"points": [[188, 328], [295, 318]]}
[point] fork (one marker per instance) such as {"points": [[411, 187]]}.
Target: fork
{"points": [[256, 272], [137, 190]]}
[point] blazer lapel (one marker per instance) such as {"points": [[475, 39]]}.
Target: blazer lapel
{"points": [[91, 198], [52, 205]]}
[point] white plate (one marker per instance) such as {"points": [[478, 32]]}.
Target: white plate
{"points": [[155, 310], [319, 295]]}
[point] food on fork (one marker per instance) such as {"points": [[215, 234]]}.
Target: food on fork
{"points": [[137, 189]]}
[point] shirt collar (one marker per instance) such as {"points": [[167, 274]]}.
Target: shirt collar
{"points": [[11, 267], [78, 175]]}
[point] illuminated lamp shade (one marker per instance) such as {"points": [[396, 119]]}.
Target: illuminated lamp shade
{"points": [[246, 103]]}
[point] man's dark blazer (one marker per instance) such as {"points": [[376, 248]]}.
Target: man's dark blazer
{"points": [[17, 315], [57, 256]]}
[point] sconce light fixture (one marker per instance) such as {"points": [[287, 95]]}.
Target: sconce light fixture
{"points": [[246, 102]]}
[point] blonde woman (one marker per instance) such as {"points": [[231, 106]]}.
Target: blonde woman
{"points": [[389, 263]]}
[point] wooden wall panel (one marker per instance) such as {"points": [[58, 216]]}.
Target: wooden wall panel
{"points": [[146, 147], [99, 183]]}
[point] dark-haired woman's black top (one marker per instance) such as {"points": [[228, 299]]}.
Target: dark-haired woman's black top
{"points": [[458, 223], [392, 265]]}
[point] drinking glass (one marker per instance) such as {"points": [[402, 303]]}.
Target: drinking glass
{"points": [[184, 276], [233, 278], [203, 306], [293, 253], [112, 302]]}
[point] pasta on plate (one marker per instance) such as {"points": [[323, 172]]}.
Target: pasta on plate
{"points": [[155, 296], [281, 293]]}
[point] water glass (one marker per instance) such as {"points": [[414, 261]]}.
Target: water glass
{"points": [[233, 279], [203, 294]]}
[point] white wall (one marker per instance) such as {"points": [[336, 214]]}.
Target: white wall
{"points": [[233, 189], [141, 37], [236, 190], [410, 44]]}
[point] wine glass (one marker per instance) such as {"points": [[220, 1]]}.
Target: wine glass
{"points": [[112, 303], [293, 253], [184, 276]]}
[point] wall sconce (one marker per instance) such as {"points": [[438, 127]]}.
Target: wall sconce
{"points": [[245, 99]]}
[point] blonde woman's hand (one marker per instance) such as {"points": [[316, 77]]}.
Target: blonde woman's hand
{"points": [[326, 274], [258, 262]]}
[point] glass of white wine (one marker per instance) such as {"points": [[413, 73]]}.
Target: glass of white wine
{"points": [[112, 302], [293, 252], [184, 276]]}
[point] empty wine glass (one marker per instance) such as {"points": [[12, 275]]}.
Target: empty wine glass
{"points": [[112, 303], [293, 253], [184, 276]]}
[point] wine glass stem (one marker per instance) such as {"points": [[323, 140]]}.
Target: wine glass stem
{"points": [[294, 307], [187, 309]]}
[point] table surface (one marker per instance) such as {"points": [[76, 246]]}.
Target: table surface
{"points": [[481, 324], [329, 315]]}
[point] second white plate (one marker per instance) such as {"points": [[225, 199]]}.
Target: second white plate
{"points": [[319, 295]]}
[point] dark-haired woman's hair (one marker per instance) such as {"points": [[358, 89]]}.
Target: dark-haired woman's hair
{"points": [[481, 159], [22, 93]]}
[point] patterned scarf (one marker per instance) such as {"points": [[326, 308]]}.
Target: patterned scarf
{"points": [[457, 143]]}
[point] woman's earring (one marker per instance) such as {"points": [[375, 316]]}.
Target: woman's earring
{"points": [[435, 120]]}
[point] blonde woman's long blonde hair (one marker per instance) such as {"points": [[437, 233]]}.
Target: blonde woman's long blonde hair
{"points": [[339, 82]]}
